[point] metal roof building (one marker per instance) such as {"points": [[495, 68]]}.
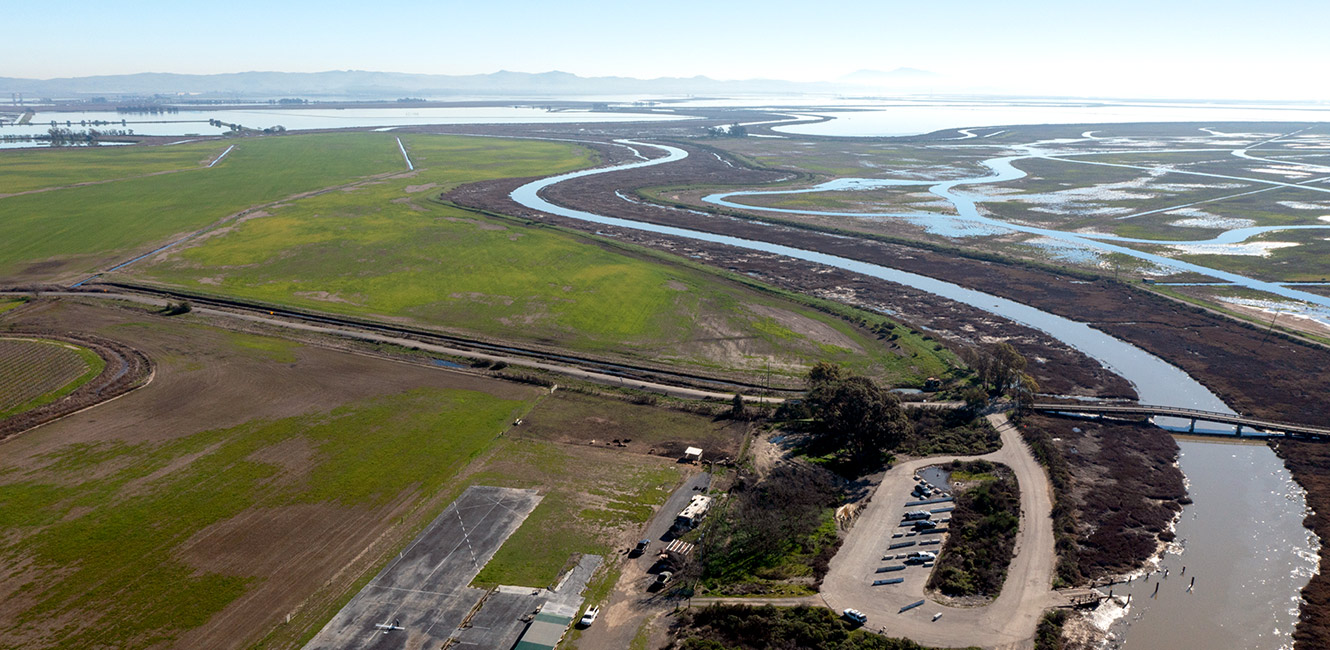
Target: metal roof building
{"points": [[547, 628]]}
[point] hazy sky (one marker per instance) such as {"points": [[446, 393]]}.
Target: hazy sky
{"points": [[1220, 48]]}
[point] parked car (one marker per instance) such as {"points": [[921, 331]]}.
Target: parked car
{"points": [[589, 616], [855, 616], [640, 548]]}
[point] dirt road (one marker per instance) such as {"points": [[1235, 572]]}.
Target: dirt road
{"points": [[1007, 622], [630, 604]]}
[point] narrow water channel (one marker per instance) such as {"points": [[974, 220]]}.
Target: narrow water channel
{"points": [[1243, 538]]}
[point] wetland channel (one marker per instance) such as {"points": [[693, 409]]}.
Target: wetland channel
{"points": [[1242, 538]]}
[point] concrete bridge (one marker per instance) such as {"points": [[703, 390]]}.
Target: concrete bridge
{"points": [[1145, 410]]}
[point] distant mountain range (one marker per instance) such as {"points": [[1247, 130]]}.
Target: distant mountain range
{"points": [[390, 85]]}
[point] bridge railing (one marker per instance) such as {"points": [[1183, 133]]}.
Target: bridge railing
{"points": [[1152, 409]]}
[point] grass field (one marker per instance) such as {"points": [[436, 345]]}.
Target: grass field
{"points": [[25, 170], [575, 418], [35, 372], [594, 498], [101, 530], [83, 228], [387, 249]]}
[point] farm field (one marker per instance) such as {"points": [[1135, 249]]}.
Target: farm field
{"points": [[26, 170], [257, 477], [386, 248], [574, 418], [62, 234], [253, 478], [35, 371]]}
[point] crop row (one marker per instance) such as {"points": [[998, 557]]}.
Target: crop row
{"points": [[31, 368]]}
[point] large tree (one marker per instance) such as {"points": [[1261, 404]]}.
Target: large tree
{"points": [[855, 414]]}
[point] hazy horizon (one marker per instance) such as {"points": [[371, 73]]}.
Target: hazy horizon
{"points": [[1138, 49]]}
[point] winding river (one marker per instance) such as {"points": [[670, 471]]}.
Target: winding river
{"points": [[1212, 532], [1003, 170]]}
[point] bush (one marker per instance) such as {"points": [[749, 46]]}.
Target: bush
{"points": [[784, 520], [177, 308], [742, 627], [982, 534], [1048, 636]]}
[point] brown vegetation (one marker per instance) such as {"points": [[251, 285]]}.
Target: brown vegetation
{"points": [[1116, 489], [126, 369], [742, 627]]}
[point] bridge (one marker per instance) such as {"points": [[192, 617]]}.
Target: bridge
{"points": [[1146, 410]]}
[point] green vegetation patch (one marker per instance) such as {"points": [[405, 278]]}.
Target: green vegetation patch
{"points": [[25, 170], [1048, 635], [774, 536], [36, 372], [388, 249], [102, 552], [959, 432], [102, 222], [594, 497], [982, 531], [266, 347]]}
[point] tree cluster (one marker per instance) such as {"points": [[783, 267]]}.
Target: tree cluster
{"points": [[768, 521], [853, 413], [1000, 370]]}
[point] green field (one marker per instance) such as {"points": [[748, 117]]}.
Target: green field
{"points": [[96, 529], [83, 228], [25, 170], [36, 372], [389, 249], [591, 497]]}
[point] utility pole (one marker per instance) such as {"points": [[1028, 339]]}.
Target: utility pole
{"points": [[1269, 329]]}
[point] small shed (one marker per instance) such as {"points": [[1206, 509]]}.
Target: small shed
{"points": [[692, 455]]}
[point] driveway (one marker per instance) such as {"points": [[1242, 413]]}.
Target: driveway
{"points": [[630, 604]]}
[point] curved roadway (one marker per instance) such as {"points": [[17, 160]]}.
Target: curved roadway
{"points": [[1009, 621]]}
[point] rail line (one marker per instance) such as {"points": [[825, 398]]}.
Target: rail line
{"points": [[624, 370]]}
